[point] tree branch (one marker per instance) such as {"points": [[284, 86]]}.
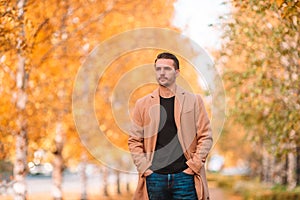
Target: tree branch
{"points": [[37, 31], [83, 26], [6, 69]]}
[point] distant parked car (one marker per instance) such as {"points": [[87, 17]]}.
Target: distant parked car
{"points": [[40, 169], [216, 163]]}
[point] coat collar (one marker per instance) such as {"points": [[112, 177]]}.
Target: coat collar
{"points": [[179, 93], [179, 100]]}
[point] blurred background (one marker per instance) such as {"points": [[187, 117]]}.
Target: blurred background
{"points": [[43, 44]]}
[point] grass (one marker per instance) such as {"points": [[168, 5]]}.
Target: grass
{"points": [[253, 189]]}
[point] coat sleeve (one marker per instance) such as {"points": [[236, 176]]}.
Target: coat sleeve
{"points": [[204, 138], [136, 140]]}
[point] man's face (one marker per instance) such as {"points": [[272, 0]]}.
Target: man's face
{"points": [[165, 72]]}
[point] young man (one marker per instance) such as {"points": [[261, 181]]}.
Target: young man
{"points": [[170, 138]]}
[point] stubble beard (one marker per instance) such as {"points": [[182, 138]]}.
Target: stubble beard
{"points": [[166, 84]]}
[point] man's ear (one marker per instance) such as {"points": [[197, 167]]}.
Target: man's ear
{"points": [[177, 72]]}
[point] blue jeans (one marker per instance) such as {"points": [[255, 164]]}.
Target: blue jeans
{"points": [[178, 186]]}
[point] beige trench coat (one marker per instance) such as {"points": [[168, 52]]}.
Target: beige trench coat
{"points": [[194, 134]]}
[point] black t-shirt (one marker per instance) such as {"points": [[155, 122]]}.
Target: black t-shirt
{"points": [[168, 156]]}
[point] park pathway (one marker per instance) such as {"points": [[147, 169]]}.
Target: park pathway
{"points": [[40, 189], [217, 193]]}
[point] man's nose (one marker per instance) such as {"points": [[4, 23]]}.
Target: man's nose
{"points": [[162, 71]]}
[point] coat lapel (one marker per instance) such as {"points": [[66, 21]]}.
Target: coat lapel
{"points": [[179, 100], [155, 116]]}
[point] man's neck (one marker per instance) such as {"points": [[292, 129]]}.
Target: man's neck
{"points": [[166, 92]]}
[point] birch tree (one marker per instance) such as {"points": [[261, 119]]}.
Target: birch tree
{"points": [[20, 165]]}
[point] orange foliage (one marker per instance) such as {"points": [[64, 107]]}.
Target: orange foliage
{"points": [[58, 39]]}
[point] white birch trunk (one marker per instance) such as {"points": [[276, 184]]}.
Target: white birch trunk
{"points": [[118, 181], [105, 181], [265, 165], [127, 183], [58, 168], [58, 164], [298, 165], [291, 171], [271, 168], [20, 165], [279, 173], [83, 177]]}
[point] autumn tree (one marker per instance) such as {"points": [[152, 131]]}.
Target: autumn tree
{"points": [[261, 72], [16, 44], [43, 44]]}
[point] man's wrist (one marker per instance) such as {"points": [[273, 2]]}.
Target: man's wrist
{"points": [[148, 172], [188, 171]]}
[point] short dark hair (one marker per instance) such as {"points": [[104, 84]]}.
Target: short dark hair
{"points": [[167, 55]]}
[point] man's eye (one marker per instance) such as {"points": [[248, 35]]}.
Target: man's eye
{"points": [[168, 68]]}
